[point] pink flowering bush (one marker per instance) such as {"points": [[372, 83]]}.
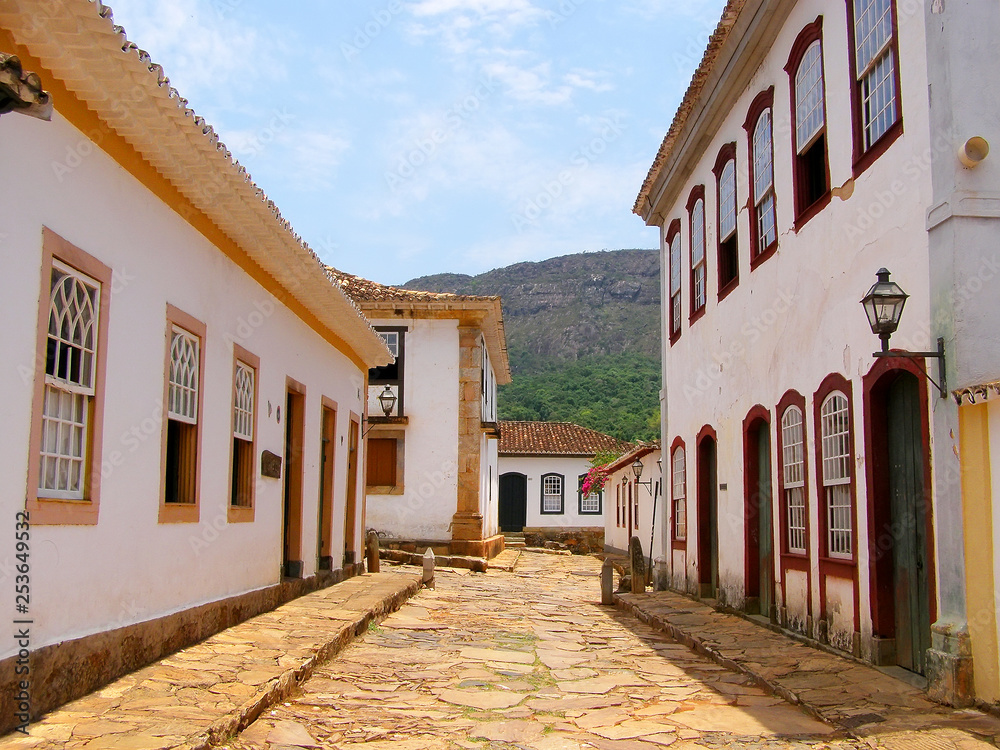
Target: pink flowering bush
{"points": [[595, 480]]}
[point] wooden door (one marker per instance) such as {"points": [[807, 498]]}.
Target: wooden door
{"points": [[325, 537], [765, 546], [513, 507], [350, 514], [907, 497], [708, 520], [291, 563]]}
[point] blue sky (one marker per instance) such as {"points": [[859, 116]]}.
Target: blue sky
{"points": [[405, 138]]}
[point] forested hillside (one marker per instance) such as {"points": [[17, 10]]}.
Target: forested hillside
{"points": [[583, 335]]}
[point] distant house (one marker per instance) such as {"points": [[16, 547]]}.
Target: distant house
{"points": [[432, 475], [542, 466], [631, 500], [183, 396]]}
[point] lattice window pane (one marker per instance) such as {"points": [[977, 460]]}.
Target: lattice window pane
{"points": [[767, 230], [836, 439], [763, 160], [872, 30], [795, 501], [680, 494], [793, 447], [675, 264], [71, 345], [183, 392], [809, 111], [591, 503], [878, 95], [64, 443], [552, 494], [698, 232], [675, 318], [243, 406], [699, 286], [727, 200], [391, 339], [838, 499]]}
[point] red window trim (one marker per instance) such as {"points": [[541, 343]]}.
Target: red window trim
{"points": [[792, 398], [811, 33], [864, 159], [676, 542], [673, 229], [726, 153], [763, 100], [697, 193], [751, 511]]}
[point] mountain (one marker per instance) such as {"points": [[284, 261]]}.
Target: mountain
{"points": [[583, 335]]}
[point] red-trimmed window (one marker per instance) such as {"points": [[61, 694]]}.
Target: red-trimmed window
{"points": [[874, 64], [678, 477], [674, 250], [837, 458], [793, 466], [696, 225], [728, 248], [810, 168], [764, 220]]}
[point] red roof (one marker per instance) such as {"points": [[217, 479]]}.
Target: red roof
{"points": [[555, 439]]}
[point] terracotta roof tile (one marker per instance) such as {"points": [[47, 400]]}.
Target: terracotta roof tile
{"points": [[363, 290], [638, 451], [555, 439], [691, 96], [21, 90]]}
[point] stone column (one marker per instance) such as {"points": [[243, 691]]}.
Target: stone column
{"points": [[467, 523]]}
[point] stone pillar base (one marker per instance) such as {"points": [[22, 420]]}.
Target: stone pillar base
{"points": [[466, 526], [949, 666], [661, 575]]}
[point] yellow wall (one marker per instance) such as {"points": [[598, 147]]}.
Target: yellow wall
{"points": [[977, 502]]}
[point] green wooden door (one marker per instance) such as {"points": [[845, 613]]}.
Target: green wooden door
{"points": [[764, 536], [908, 506]]}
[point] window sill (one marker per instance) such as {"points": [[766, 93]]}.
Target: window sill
{"points": [[878, 148], [812, 209], [178, 513], [838, 567], [45, 511], [552, 513], [729, 287], [761, 257], [240, 514], [384, 489], [696, 315], [674, 337], [679, 544]]}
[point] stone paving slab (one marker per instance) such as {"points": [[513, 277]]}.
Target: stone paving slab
{"points": [[869, 704], [209, 691], [506, 560]]}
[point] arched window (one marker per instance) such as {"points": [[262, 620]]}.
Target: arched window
{"points": [[835, 447], [696, 225], [874, 58], [673, 241], [794, 476], [764, 222], [805, 69], [725, 175], [679, 483]]}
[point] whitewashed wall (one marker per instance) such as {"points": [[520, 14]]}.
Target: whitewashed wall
{"points": [[129, 568], [430, 483], [796, 318], [617, 537], [533, 467]]}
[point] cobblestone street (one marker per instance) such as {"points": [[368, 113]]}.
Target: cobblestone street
{"points": [[529, 659]]}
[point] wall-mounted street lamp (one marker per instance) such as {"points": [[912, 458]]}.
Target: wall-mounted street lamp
{"points": [[387, 400], [884, 307], [637, 470]]}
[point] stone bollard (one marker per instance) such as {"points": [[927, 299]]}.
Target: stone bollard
{"points": [[371, 552], [428, 579], [607, 582], [638, 566]]}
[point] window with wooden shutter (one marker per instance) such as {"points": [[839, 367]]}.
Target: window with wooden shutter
{"points": [[381, 462]]}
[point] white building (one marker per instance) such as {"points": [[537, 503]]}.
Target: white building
{"points": [[179, 367], [806, 155], [636, 499], [432, 475], [542, 466]]}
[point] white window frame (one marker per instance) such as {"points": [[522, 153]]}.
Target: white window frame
{"points": [[243, 405], [182, 396], [391, 339], [835, 441], [553, 492], [67, 402], [678, 479], [765, 208], [810, 110], [698, 294], [875, 65], [727, 200], [675, 284], [793, 468]]}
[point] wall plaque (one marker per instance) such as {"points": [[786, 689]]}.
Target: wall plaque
{"points": [[270, 465]]}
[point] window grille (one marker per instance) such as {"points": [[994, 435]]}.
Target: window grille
{"points": [[675, 283], [552, 494], [763, 171], [680, 495], [243, 408], [810, 115], [698, 254], [70, 362], [875, 60], [793, 457], [836, 452], [183, 392]]}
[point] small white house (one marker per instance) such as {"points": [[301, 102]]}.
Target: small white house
{"points": [[432, 475], [184, 386], [632, 500], [542, 467]]}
